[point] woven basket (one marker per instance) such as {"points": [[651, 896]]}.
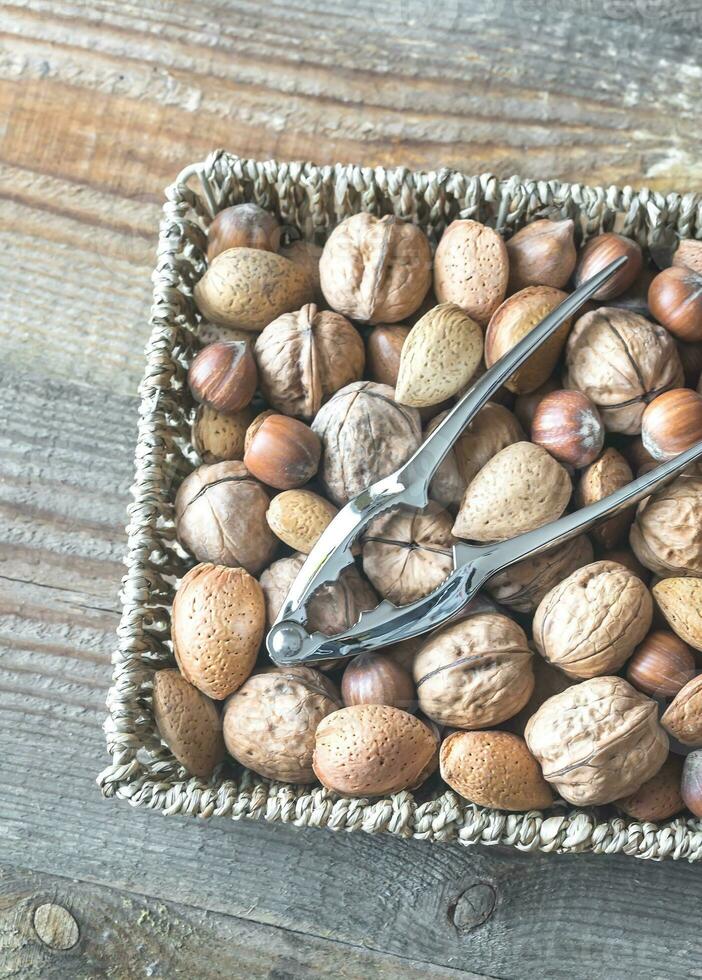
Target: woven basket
{"points": [[312, 200]]}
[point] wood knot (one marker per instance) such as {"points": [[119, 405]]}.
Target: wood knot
{"points": [[473, 907], [55, 926]]}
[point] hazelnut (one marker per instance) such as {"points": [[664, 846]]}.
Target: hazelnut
{"points": [[298, 518], [639, 460], [218, 436], [568, 425], [597, 741], [383, 349], [217, 625], [365, 435], [659, 798], [375, 678], [188, 722], [246, 288], [689, 255], [591, 622], [373, 750], [675, 300], [521, 587], [526, 405], [475, 673], [471, 269], [494, 769], [220, 513], [621, 362], [512, 321], [439, 356], [270, 722], [541, 254], [304, 357], [223, 375], [683, 717], [332, 609], [691, 783], [661, 665], [598, 253], [243, 225], [255, 426], [666, 536], [306, 256], [519, 489], [376, 270], [607, 474], [627, 558], [672, 423], [284, 453], [680, 601], [407, 554]]}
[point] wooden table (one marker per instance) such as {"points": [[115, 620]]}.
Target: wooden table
{"points": [[101, 104]]}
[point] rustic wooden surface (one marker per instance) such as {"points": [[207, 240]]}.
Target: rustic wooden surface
{"points": [[100, 105]]}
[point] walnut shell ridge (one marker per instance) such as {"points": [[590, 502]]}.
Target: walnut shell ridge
{"points": [[375, 270], [666, 535], [522, 586], [591, 622], [475, 673], [365, 435], [306, 356], [270, 722], [621, 360], [597, 741]]}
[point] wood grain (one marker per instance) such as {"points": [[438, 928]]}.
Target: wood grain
{"points": [[101, 104], [90, 932], [492, 912]]}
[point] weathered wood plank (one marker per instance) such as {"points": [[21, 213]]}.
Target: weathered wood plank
{"points": [[492, 912], [56, 928]]}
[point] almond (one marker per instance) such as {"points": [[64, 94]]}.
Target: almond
{"points": [[219, 436], [298, 518], [513, 320], [439, 356], [247, 288], [217, 625], [188, 722], [680, 601], [519, 489], [659, 798], [471, 269], [494, 769], [373, 750], [683, 718]]}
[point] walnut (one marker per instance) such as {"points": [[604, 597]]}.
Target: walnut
{"points": [[474, 673], [521, 587], [407, 554], [376, 270], [519, 489], [493, 428], [610, 472], [598, 740], [220, 513], [592, 621], [621, 361], [270, 722], [666, 536], [365, 435], [332, 609], [304, 357]]}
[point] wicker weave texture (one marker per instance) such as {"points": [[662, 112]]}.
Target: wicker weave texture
{"points": [[312, 200]]}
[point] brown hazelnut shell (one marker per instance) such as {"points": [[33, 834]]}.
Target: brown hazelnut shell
{"points": [[243, 225], [672, 423], [675, 300], [283, 453], [376, 678], [661, 665], [223, 375], [598, 253], [541, 253], [568, 425]]}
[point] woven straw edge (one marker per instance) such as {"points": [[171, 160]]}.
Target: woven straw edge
{"points": [[306, 194]]}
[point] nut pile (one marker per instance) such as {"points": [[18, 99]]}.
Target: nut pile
{"points": [[578, 678]]}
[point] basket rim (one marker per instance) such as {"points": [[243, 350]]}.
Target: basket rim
{"points": [[447, 817]]}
